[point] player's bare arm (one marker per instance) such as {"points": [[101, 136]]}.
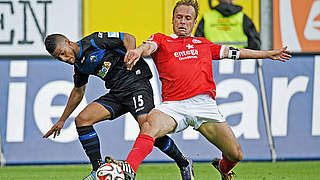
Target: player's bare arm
{"points": [[278, 54], [132, 56], [129, 41], [74, 100]]}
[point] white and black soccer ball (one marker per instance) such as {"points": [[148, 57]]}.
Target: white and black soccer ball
{"points": [[109, 171]]}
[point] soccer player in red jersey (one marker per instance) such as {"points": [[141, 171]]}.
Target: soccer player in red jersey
{"points": [[184, 64]]}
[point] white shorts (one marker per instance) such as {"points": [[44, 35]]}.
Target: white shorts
{"points": [[192, 112]]}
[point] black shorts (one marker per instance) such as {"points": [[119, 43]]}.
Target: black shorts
{"points": [[137, 99]]}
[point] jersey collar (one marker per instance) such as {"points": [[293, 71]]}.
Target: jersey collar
{"points": [[174, 36]]}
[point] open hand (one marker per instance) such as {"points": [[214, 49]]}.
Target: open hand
{"points": [[55, 129], [280, 54]]}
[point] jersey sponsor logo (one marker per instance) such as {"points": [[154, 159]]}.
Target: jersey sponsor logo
{"points": [[113, 34], [196, 41], [189, 54], [104, 70], [100, 35]]}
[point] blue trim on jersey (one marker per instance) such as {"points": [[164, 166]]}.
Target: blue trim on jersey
{"points": [[92, 60], [142, 114], [168, 145], [80, 53], [121, 36], [106, 106], [120, 51], [91, 143], [88, 136], [94, 44]]}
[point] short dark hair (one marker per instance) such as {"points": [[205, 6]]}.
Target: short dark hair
{"points": [[193, 3], [52, 40]]}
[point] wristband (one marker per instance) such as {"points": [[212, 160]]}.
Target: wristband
{"points": [[234, 53]]}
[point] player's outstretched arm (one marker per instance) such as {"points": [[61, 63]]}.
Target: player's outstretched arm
{"points": [[278, 54], [133, 56], [74, 100]]}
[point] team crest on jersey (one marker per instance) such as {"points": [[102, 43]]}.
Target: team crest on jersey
{"points": [[104, 70], [196, 41], [189, 46], [93, 58]]}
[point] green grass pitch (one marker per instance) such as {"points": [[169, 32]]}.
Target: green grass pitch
{"points": [[301, 170]]}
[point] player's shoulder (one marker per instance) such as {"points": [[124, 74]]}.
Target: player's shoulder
{"points": [[156, 36], [205, 41], [201, 40], [160, 35], [102, 35], [93, 36]]}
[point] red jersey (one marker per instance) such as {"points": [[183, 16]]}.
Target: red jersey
{"points": [[185, 65]]}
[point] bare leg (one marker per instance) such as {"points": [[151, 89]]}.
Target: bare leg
{"points": [[221, 135], [93, 113], [158, 124]]}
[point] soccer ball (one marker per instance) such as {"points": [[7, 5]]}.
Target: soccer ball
{"points": [[109, 171]]}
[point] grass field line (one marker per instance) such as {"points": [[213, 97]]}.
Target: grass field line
{"points": [[291, 170]]}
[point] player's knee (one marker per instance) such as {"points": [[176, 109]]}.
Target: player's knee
{"points": [[237, 156], [82, 120], [150, 127], [147, 128]]}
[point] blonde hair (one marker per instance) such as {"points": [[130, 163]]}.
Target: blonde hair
{"points": [[193, 3]]}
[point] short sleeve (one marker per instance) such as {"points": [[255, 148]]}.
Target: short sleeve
{"points": [[216, 50], [155, 39], [79, 78]]}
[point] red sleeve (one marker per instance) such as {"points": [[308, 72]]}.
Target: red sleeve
{"points": [[156, 39], [216, 51]]}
